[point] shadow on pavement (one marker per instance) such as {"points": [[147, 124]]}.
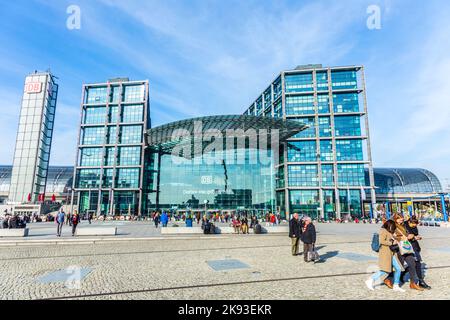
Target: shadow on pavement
{"points": [[326, 256]]}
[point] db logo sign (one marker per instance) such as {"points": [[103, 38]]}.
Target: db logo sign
{"points": [[33, 87]]}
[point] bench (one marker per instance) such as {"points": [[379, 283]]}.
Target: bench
{"points": [[97, 231], [14, 232], [220, 230]]}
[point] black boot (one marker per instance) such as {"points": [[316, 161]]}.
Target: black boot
{"points": [[424, 285]]}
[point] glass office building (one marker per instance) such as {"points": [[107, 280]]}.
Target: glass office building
{"points": [[323, 169], [109, 170], [34, 138]]}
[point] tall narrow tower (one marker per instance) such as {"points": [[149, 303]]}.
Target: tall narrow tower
{"points": [[34, 138]]}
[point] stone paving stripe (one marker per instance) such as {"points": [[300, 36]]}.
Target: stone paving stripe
{"points": [[220, 284], [227, 264]]}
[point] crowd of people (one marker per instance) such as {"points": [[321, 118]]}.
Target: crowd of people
{"points": [[399, 254]]}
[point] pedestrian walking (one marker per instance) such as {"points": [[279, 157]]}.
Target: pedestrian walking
{"points": [[156, 219], [294, 233], [75, 220], [411, 228], [387, 259], [90, 215], [164, 219], [308, 237], [405, 255], [60, 222], [244, 225]]}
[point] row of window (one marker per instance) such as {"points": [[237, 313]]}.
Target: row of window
{"points": [[304, 82], [126, 156], [131, 93], [96, 135], [128, 114], [125, 178], [307, 175], [342, 103], [344, 126]]}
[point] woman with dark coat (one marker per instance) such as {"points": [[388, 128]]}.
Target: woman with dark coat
{"points": [[411, 228], [308, 237], [401, 234]]}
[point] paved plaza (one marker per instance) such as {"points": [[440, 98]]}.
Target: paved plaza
{"points": [[155, 266]]}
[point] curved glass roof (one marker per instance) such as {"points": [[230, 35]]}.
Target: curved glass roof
{"points": [[59, 179], [163, 134], [405, 180]]}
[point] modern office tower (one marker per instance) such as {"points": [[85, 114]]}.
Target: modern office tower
{"points": [[111, 147], [321, 170], [34, 138]]}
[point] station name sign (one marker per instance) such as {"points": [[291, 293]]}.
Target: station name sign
{"points": [[33, 87]]}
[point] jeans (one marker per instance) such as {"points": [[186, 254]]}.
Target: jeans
{"points": [[397, 272], [59, 228]]}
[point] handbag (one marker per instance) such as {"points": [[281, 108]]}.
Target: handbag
{"points": [[313, 255], [405, 247]]}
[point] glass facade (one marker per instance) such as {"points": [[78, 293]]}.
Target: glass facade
{"points": [[34, 138], [187, 184], [111, 147], [333, 152]]}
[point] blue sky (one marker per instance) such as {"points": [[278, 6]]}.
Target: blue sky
{"points": [[213, 57]]}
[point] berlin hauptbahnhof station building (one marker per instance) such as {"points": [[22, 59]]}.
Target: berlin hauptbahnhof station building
{"points": [[302, 146]]}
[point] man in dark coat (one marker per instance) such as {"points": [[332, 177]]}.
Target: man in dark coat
{"points": [[308, 237], [294, 233]]}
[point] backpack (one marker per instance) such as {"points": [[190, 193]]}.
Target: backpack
{"points": [[375, 242]]}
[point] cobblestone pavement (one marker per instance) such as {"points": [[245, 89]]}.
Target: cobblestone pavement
{"points": [[177, 268]]}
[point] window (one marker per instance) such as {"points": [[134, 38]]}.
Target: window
{"points": [[111, 138], [94, 115], [127, 178], [327, 175], [300, 105], [88, 178], [299, 82], [133, 113], [96, 95], [113, 111], [278, 110], [324, 127], [129, 156], [259, 106], [267, 98], [351, 174], [311, 131], [93, 135], [345, 102], [302, 175], [305, 202], [107, 178], [347, 126], [326, 150], [91, 157], [134, 93], [277, 89], [110, 156], [349, 150], [323, 103], [344, 79], [115, 94], [322, 80], [302, 151], [130, 134]]}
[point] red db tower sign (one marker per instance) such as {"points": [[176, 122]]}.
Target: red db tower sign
{"points": [[33, 87]]}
